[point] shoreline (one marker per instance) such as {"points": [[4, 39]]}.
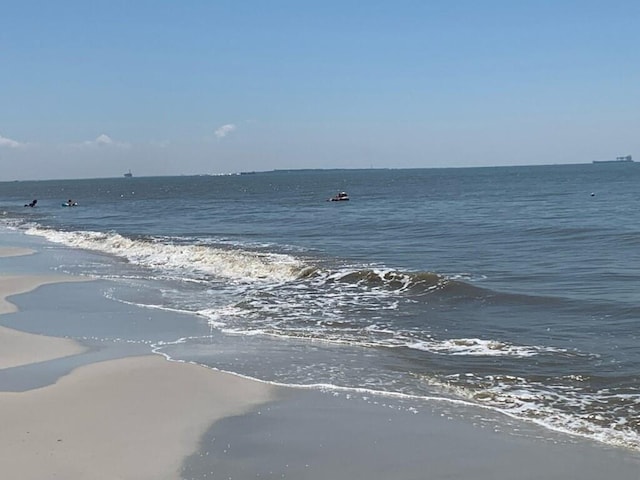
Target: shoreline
{"points": [[136, 417], [21, 348], [315, 435], [131, 414]]}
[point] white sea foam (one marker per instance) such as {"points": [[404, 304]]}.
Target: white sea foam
{"points": [[294, 321], [569, 410], [479, 347], [228, 264]]}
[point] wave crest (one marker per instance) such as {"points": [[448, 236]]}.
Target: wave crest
{"points": [[200, 260]]}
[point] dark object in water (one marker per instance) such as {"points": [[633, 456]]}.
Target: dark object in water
{"points": [[339, 197], [32, 204]]}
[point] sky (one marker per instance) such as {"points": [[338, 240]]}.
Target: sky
{"points": [[97, 88]]}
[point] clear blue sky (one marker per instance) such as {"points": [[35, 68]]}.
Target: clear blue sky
{"points": [[95, 88]]}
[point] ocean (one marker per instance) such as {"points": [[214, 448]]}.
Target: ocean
{"points": [[515, 289]]}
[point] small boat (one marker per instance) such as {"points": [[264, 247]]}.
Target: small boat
{"points": [[339, 197], [128, 174]]}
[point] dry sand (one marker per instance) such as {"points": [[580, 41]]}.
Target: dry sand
{"points": [[15, 251], [133, 418]]}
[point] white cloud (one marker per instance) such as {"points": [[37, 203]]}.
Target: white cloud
{"points": [[224, 130], [7, 142], [103, 140]]}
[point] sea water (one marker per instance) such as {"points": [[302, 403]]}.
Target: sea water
{"points": [[514, 288]]}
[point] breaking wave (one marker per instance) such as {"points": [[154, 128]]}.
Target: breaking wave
{"points": [[201, 261]]}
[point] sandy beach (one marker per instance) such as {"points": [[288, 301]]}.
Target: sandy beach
{"points": [[134, 418], [131, 418], [15, 251]]}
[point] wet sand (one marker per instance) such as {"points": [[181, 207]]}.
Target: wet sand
{"points": [[311, 435]]}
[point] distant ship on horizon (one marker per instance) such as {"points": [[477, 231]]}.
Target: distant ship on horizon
{"points": [[128, 174], [625, 159]]}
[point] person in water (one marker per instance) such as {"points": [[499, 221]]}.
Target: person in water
{"points": [[32, 204]]}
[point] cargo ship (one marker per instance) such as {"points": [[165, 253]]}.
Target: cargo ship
{"points": [[625, 159]]}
